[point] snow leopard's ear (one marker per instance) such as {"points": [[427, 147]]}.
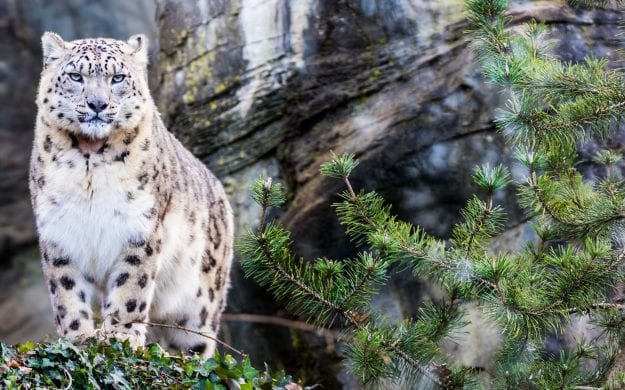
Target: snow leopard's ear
{"points": [[139, 48], [53, 47]]}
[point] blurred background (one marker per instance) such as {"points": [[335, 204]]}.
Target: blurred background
{"points": [[270, 87]]}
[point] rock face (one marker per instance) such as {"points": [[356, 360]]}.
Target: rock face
{"points": [[271, 87]]}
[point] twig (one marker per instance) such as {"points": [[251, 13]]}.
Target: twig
{"points": [[352, 194], [328, 334], [480, 223], [600, 305], [279, 321], [167, 326]]}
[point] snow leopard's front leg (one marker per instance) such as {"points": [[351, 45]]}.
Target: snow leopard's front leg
{"points": [[130, 289], [70, 292]]}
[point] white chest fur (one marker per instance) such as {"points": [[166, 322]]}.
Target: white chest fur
{"points": [[91, 212]]}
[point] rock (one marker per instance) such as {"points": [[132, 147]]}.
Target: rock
{"points": [[393, 82], [271, 87]]}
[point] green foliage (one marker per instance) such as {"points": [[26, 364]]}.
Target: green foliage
{"points": [[491, 179], [553, 105], [267, 194], [114, 364], [530, 294], [339, 167]]}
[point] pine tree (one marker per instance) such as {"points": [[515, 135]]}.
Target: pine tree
{"points": [[571, 270]]}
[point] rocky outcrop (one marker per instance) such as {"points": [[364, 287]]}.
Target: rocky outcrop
{"points": [[270, 87], [276, 85]]}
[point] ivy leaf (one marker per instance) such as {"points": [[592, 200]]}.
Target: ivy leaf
{"points": [[26, 347], [249, 372]]}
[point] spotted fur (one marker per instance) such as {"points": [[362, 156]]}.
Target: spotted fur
{"points": [[125, 214]]}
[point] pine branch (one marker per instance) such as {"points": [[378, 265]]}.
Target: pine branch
{"points": [[486, 214], [268, 249]]}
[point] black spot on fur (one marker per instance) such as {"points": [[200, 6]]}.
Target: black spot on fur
{"points": [[41, 182], [90, 279], [203, 316], [211, 294], [52, 287], [143, 281], [212, 261], [60, 261], [74, 325], [128, 325], [199, 292], [84, 314], [81, 296], [132, 135], [198, 348], [143, 180], [121, 279], [60, 115], [150, 213], [133, 260], [142, 307], [131, 305], [218, 279], [148, 250], [122, 156], [61, 311], [47, 144], [67, 282]]}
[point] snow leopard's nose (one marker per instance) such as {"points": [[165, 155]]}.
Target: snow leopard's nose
{"points": [[97, 105]]}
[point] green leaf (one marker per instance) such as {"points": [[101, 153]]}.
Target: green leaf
{"points": [[26, 347], [491, 179], [339, 167], [249, 372]]}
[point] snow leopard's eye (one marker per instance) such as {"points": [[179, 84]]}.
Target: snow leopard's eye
{"points": [[76, 77], [118, 78]]}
